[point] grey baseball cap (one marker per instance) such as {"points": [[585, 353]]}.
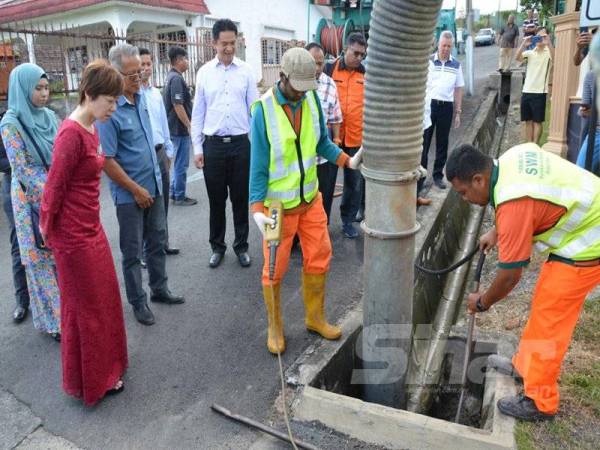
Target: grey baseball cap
{"points": [[299, 66]]}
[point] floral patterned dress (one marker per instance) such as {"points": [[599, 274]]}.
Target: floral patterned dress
{"points": [[39, 264]]}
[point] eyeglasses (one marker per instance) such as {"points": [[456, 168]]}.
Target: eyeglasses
{"points": [[132, 76]]}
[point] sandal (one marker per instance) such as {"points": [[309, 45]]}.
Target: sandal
{"points": [[119, 387]]}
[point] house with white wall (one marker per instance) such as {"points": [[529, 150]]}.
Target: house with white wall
{"points": [[267, 27]]}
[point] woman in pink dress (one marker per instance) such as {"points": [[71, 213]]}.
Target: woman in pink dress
{"points": [[94, 345]]}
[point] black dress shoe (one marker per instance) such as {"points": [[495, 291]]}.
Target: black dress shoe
{"points": [[215, 260], [19, 314], [441, 184], [166, 297], [172, 251], [244, 259], [143, 314]]}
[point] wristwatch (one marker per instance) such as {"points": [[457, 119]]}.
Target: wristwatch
{"points": [[480, 306]]}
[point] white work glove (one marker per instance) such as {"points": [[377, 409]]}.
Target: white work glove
{"points": [[355, 161], [262, 221]]}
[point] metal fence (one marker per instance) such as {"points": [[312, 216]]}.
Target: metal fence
{"points": [[272, 50], [64, 52]]}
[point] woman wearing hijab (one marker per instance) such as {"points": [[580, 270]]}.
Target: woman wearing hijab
{"points": [[28, 130], [94, 345]]}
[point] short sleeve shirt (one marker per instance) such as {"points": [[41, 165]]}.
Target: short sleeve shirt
{"points": [[445, 77], [517, 222], [538, 70], [177, 92], [127, 137], [509, 36]]}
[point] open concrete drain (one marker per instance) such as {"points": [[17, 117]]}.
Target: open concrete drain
{"points": [[326, 394], [337, 377]]}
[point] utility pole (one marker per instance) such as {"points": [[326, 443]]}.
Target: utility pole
{"points": [[470, 79]]}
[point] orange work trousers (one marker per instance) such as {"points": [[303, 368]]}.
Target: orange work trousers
{"points": [[311, 227], [557, 301]]}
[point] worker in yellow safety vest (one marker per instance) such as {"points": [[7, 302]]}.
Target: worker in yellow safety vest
{"points": [[543, 199], [287, 133]]}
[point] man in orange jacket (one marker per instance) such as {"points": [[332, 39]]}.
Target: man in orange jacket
{"points": [[348, 73]]}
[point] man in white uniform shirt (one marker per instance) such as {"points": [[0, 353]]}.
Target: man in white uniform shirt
{"points": [[446, 103], [225, 90]]}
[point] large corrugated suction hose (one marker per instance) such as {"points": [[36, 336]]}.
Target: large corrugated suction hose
{"points": [[400, 39]]}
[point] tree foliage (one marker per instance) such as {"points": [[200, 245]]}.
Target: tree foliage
{"points": [[545, 8]]}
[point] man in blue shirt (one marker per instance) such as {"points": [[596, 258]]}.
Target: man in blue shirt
{"points": [[136, 187], [160, 133]]}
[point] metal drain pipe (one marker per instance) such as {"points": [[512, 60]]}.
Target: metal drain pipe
{"points": [[428, 371], [427, 355], [400, 37]]}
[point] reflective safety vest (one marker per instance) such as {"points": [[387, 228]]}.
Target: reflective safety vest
{"points": [[527, 171], [293, 167]]}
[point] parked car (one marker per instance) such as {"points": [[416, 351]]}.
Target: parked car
{"points": [[485, 36]]}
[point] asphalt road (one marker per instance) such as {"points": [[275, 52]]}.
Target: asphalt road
{"points": [[211, 349]]}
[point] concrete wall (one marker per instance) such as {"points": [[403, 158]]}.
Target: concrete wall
{"points": [[438, 242]]}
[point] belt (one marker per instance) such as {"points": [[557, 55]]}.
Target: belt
{"points": [[226, 139], [587, 263], [440, 102], [159, 147]]}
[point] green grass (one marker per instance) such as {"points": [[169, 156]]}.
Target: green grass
{"points": [[588, 328], [553, 435], [585, 387], [524, 436]]}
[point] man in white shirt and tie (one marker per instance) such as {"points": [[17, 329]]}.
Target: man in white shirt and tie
{"points": [[225, 90]]}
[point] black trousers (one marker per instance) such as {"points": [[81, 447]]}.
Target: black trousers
{"points": [[441, 122], [327, 175], [227, 173], [352, 196], [163, 163], [18, 270]]}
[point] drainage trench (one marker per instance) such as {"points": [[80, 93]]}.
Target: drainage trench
{"points": [[435, 364]]}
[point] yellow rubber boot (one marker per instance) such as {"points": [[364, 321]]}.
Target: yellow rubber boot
{"points": [[314, 306], [275, 339]]}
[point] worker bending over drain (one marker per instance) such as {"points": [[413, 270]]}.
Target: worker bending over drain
{"points": [[541, 198]]}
